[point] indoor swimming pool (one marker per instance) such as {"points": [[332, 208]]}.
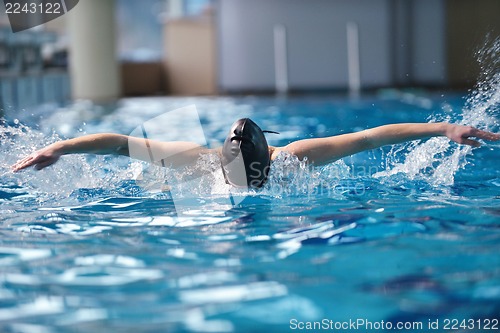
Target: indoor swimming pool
{"points": [[406, 234]]}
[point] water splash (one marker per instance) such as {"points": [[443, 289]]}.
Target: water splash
{"points": [[290, 176], [482, 105], [437, 160], [207, 174], [53, 183], [84, 177]]}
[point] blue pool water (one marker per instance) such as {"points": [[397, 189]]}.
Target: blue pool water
{"points": [[405, 234], [84, 247]]}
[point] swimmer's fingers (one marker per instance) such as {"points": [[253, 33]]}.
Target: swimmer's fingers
{"points": [[485, 135], [463, 135], [40, 160], [470, 142], [23, 163], [478, 134]]}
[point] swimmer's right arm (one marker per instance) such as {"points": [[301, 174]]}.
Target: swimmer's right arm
{"points": [[176, 153]]}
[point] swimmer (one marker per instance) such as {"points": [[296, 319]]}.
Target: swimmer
{"points": [[245, 155]]}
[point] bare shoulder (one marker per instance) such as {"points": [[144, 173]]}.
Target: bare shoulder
{"points": [[217, 151], [274, 151]]}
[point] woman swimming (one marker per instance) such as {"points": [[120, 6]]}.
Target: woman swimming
{"points": [[245, 155]]}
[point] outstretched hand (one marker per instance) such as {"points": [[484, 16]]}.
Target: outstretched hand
{"points": [[40, 159], [463, 134]]}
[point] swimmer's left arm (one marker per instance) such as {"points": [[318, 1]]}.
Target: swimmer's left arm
{"points": [[325, 150], [105, 143]]}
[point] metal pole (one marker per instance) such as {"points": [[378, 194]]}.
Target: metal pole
{"points": [[280, 59], [353, 65]]}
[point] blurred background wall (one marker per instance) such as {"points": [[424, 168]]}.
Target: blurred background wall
{"points": [[399, 42], [105, 49]]}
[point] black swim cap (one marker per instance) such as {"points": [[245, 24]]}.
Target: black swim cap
{"points": [[251, 167]]}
